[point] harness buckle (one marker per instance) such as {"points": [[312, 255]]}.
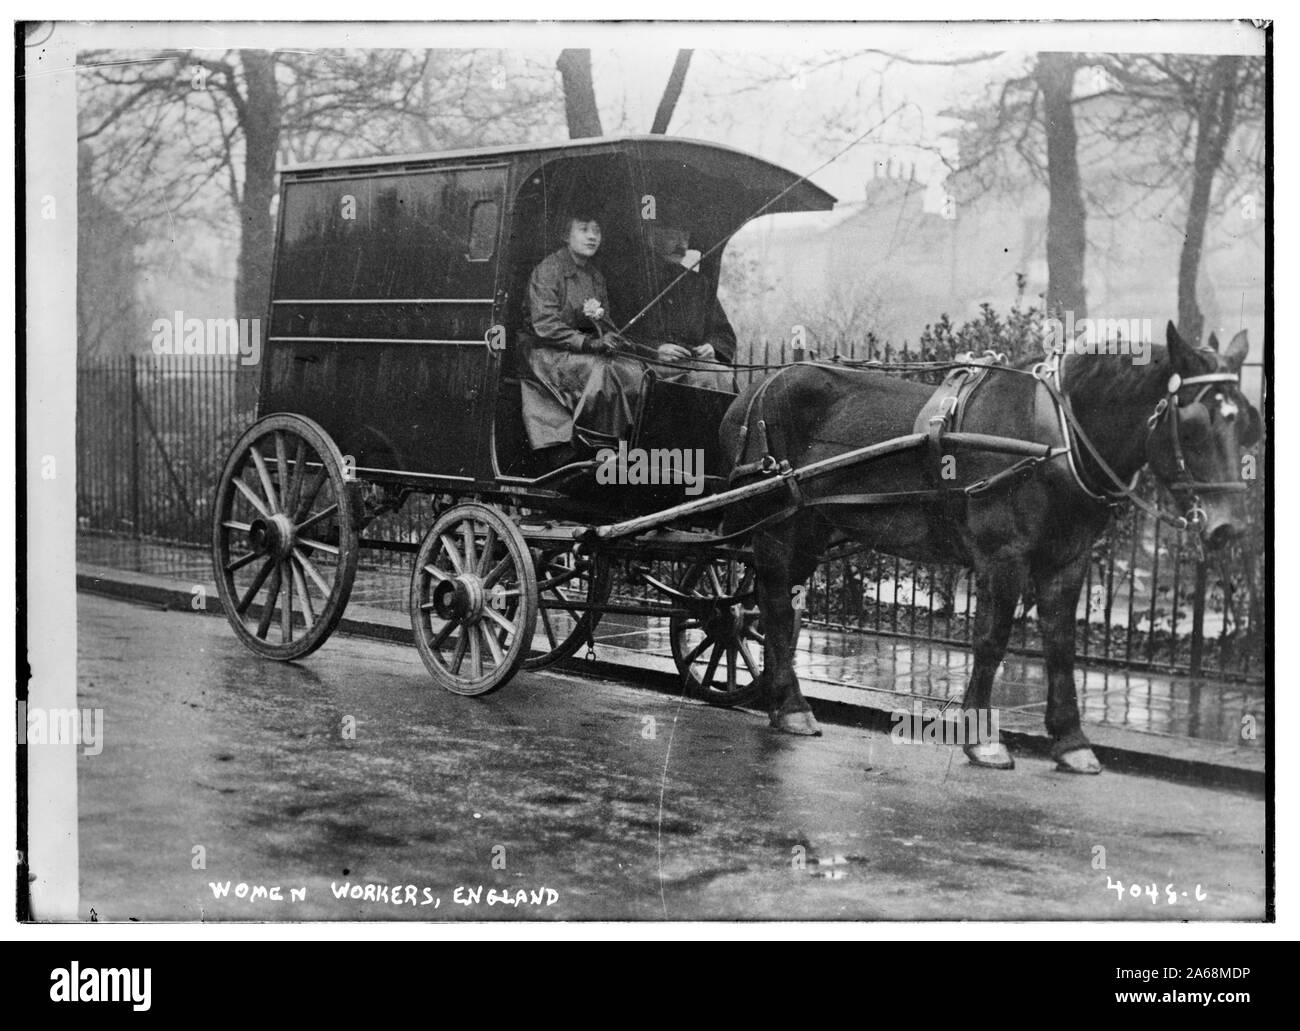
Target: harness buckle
{"points": [[1154, 417]]}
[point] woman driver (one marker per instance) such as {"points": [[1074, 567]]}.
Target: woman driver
{"points": [[576, 382]]}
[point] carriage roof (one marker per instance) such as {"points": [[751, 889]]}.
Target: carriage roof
{"points": [[753, 174]]}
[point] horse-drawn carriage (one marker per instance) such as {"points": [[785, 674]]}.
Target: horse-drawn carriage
{"points": [[390, 369]]}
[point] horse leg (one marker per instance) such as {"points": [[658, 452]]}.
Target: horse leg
{"points": [[999, 585], [779, 565], [1058, 601]]}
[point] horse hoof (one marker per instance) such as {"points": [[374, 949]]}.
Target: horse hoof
{"points": [[800, 723], [1078, 760], [991, 756]]}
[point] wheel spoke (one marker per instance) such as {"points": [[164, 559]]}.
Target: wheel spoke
{"points": [[295, 482], [498, 571], [251, 593], [436, 573], [242, 561], [731, 668], [564, 604], [268, 607], [550, 633], [310, 569], [286, 609], [318, 545], [309, 499], [235, 524], [471, 556], [459, 656], [253, 499], [500, 619], [456, 562], [265, 477], [707, 679], [694, 653], [475, 651], [282, 466], [322, 514], [498, 656], [309, 614], [749, 659], [441, 635], [489, 544]]}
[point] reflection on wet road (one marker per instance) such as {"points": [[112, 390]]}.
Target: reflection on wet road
{"points": [[351, 773]]}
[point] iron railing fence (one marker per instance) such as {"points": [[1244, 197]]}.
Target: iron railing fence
{"points": [[153, 434]]}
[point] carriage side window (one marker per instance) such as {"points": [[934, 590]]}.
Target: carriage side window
{"points": [[482, 231]]}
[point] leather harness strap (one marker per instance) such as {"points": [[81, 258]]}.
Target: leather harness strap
{"points": [[941, 414]]}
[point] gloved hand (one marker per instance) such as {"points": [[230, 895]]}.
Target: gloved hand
{"points": [[596, 345], [673, 353]]}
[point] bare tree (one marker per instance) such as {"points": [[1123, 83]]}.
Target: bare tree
{"points": [[1205, 114], [672, 91], [192, 134], [580, 109], [1067, 238]]}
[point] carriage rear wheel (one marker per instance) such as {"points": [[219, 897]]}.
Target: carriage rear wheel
{"points": [[473, 599], [717, 641], [564, 579], [284, 542]]}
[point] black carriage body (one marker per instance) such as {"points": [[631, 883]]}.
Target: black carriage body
{"points": [[399, 289]]}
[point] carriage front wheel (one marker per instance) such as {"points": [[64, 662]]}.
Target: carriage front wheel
{"points": [[473, 599], [717, 639], [284, 538]]}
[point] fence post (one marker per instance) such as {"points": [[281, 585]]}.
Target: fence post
{"points": [[135, 446], [1198, 618]]}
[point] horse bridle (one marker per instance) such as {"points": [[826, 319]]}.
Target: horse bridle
{"points": [[1166, 412]]}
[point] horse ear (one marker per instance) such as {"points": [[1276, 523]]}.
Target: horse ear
{"points": [[1214, 342], [1180, 354], [1237, 351]]}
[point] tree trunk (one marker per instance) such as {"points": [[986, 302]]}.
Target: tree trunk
{"points": [[1214, 124], [261, 125], [1066, 217], [579, 94], [668, 102]]}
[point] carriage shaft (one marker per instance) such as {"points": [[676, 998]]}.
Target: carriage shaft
{"points": [[641, 524]]}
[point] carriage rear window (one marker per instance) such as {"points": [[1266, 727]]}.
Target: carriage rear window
{"points": [[482, 231]]}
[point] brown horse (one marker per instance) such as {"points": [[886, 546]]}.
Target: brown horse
{"points": [[1182, 414]]}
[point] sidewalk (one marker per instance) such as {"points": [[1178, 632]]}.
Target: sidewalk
{"points": [[1170, 725]]}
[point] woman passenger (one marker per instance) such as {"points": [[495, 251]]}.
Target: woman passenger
{"points": [[575, 384]]}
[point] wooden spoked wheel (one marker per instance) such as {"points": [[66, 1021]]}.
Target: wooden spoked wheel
{"points": [[473, 599], [717, 642], [564, 578], [284, 543]]}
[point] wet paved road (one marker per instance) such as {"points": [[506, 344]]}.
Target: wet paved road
{"points": [[628, 804]]}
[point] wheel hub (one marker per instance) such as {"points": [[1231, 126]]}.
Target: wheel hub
{"points": [[460, 598], [726, 625], [273, 536]]}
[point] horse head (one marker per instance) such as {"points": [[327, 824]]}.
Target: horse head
{"points": [[1199, 431]]}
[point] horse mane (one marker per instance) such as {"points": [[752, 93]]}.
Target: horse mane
{"points": [[1113, 379]]}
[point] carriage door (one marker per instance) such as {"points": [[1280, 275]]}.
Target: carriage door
{"points": [[383, 316]]}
